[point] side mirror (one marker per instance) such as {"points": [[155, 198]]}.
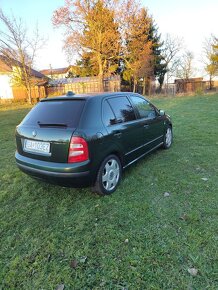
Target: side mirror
{"points": [[162, 112]]}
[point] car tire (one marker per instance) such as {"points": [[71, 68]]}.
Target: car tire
{"points": [[109, 176], [168, 138]]}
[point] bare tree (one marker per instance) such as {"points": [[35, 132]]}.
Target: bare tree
{"points": [[185, 69], [170, 53], [18, 50]]}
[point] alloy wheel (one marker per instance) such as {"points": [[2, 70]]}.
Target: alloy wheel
{"points": [[111, 174]]}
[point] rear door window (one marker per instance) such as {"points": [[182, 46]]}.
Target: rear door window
{"points": [[108, 115], [145, 109], [58, 113], [123, 109]]}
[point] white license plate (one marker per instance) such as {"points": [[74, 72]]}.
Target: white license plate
{"points": [[36, 146]]}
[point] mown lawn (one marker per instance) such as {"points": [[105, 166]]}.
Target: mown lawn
{"points": [[134, 239]]}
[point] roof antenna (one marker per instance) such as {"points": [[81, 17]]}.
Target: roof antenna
{"points": [[70, 93]]}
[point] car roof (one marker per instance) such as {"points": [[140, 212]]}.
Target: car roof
{"points": [[88, 96]]}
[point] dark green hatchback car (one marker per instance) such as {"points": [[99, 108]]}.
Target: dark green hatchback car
{"points": [[85, 140]]}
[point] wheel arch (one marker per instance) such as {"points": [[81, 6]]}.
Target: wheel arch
{"points": [[119, 155]]}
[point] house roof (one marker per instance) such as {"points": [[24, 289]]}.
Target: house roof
{"points": [[37, 74], [191, 80], [5, 66], [55, 71]]}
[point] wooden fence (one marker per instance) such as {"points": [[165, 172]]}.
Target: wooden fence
{"points": [[83, 85], [56, 90], [20, 93]]}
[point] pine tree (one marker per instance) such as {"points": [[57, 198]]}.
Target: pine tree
{"points": [[137, 53], [159, 64]]}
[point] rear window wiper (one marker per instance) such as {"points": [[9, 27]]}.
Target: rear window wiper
{"points": [[52, 124]]}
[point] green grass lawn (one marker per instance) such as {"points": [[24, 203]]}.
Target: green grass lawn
{"points": [[134, 239]]}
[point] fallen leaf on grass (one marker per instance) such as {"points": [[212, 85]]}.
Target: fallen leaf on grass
{"points": [[204, 179], [193, 271], [49, 257], [166, 194], [60, 287], [83, 259], [183, 217], [73, 264]]}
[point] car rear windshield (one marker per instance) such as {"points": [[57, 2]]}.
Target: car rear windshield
{"points": [[55, 113]]}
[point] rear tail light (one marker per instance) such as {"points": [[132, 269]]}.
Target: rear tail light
{"points": [[78, 150]]}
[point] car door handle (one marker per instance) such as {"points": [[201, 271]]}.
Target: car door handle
{"points": [[146, 126], [118, 134]]}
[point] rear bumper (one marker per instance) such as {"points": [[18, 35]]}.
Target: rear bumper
{"points": [[75, 174]]}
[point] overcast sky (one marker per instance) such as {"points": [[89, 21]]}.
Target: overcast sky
{"points": [[193, 20]]}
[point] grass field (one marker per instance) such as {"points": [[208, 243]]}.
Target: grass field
{"points": [[137, 238]]}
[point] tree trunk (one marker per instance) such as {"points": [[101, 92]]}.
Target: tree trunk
{"points": [[210, 81], [161, 81], [149, 87], [27, 81], [144, 86], [134, 85], [100, 74], [29, 94], [101, 83]]}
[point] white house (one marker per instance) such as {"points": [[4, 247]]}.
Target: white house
{"points": [[5, 87], [5, 84]]}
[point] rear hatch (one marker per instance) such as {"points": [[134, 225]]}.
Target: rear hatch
{"points": [[45, 132]]}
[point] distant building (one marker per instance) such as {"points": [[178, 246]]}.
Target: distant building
{"points": [[61, 73], [215, 81], [8, 89], [189, 85], [57, 73]]}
